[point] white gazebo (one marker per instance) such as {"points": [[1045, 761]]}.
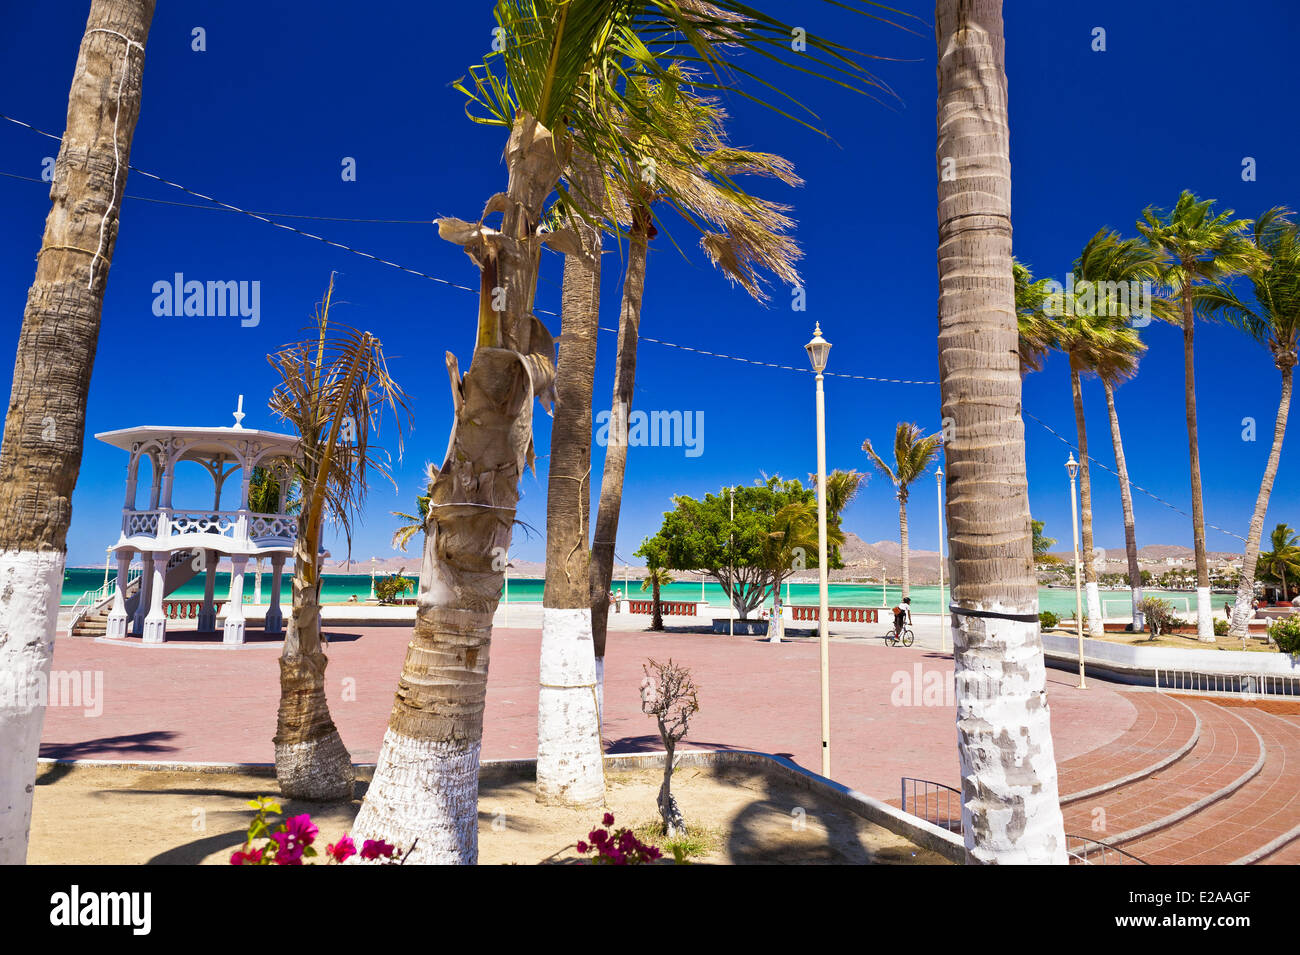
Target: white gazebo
{"points": [[175, 544]]}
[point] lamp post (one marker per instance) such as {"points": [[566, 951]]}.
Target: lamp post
{"points": [[731, 557], [372, 578], [938, 487], [818, 350], [506, 608], [108, 556], [1073, 467]]}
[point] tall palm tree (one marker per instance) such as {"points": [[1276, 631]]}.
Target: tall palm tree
{"points": [[1285, 556], [335, 380], [1010, 806], [557, 84], [1036, 329], [1198, 248], [913, 452], [570, 764], [742, 235], [45, 424], [1274, 322], [793, 536], [1093, 327]]}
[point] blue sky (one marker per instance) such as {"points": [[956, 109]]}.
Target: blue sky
{"points": [[264, 117]]}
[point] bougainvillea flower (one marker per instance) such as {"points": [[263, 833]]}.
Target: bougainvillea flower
{"points": [[252, 857], [374, 848], [608, 820], [342, 850], [301, 828]]}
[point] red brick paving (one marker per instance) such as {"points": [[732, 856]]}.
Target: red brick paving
{"points": [[217, 705], [1162, 726], [1225, 750]]}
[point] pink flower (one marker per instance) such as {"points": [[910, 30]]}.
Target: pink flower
{"points": [[582, 846], [290, 849], [342, 850], [374, 848], [301, 828], [608, 820], [246, 858]]}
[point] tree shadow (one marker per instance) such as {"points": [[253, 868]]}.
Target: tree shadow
{"points": [[108, 747]]}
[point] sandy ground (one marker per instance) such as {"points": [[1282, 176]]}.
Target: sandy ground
{"points": [[1182, 640], [107, 815]]}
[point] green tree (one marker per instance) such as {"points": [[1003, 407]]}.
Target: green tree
{"points": [[1273, 321], [748, 554], [415, 522], [913, 452], [1198, 248], [1283, 558], [655, 579], [1042, 544]]}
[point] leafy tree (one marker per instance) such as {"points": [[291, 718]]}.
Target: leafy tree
{"points": [[748, 555], [913, 452], [1284, 558], [656, 578], [1042, 544], [392, 587]]}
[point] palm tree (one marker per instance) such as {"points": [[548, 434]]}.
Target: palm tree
{"points": [[794, 535], [656, 577], [1092, 327], [1036, 329], [913, 453], [1198, 248], [570, 764], [264, 498], [334, 380], [557, 84], [1010, 807], [743, 236], [1274, 322], [1284, 556], [415, 522], [45, 423]]}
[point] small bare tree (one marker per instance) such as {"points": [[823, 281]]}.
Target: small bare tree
{"points": [[669, 695]]}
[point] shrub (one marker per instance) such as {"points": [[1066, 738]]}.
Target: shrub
{"points": [[611, 846], [390, 588], [291, 841], [1159, 615], [1286, 634], [1047, 620], [1221, 628]]}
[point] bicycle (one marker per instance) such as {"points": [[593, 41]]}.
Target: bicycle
{"points": [[904, 636]]}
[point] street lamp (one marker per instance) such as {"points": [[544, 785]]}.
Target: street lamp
{"points": [[818, 350], [938, 487], [1073, 467], [372, 578]]}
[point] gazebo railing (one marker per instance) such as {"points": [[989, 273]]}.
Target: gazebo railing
{"points": [[237, 525]]}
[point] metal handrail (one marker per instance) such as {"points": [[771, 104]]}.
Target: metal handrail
{"points": [[1246, 685], [922, 792], [1087, 850]]}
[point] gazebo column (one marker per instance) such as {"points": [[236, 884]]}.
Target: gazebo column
{"points": [[234, 628], [274, 616], [146, 590], [208, 612], [155, 624], [118, 621]]}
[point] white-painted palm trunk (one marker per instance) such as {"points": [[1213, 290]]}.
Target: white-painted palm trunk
{"points": [[1204, 616], [570, 765], [1001, 696], [1092, 593], [424, 793], [1139, 621], [30, 584]]}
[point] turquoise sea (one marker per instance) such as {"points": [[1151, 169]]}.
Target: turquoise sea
{"points": [[338, 588]]}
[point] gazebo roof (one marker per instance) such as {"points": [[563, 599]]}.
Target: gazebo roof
{"points": [[202, 444]]}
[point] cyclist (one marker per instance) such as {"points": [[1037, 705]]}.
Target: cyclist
{"points": [[902, 616]]}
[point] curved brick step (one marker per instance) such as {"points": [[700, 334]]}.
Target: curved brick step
{"points": [[1164, 730], [1285, 854], [1227, 754], [1235, 828]]}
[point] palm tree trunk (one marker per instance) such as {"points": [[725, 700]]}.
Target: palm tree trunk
{"points": [[657, 614], [1126, 499], [611, 484], [1095, 627], [45, 424], [311, 761], [1010, 807], [902, 537], [1241, 611], [1204, 620], [570, 768], [425, 785]]}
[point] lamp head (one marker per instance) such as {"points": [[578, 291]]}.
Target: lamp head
{"points": [[818, 349], [1072, 466]]}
